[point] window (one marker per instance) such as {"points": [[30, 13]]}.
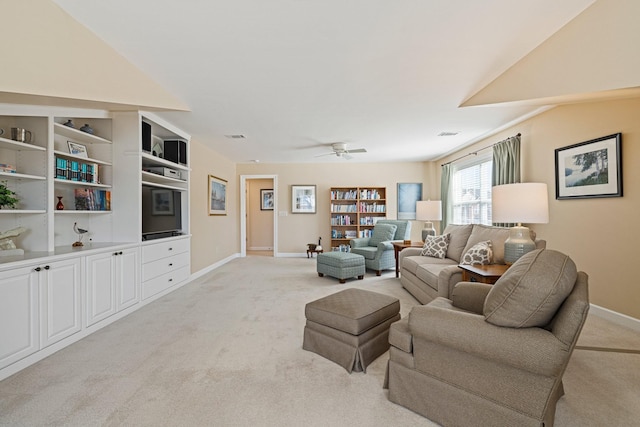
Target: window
{"points": [[471, 191]]}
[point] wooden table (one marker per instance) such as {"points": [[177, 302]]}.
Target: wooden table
{"points": [[483, 273], [398, 246]]}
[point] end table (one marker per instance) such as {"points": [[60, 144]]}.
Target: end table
{"points": [[482, 273], [398, 246]]}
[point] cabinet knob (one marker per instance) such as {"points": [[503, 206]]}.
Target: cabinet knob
{"points": [[46, 267], [170, 249], [171, 280], [37, 269], [115, 253], [170, 264]]}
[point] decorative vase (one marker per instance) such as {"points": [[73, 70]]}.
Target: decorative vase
{"points": [[86, 128], [60, 205]]}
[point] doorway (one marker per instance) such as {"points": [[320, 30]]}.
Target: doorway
{"points": [[258, 218]]}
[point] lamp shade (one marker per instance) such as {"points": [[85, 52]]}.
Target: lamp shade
{"points": [[525, 202], [429, 210]]}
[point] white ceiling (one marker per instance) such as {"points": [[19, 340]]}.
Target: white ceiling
{"points": [[293, 76]]}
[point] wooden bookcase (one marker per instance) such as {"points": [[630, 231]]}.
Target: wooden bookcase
{"points": [[354, 212]]}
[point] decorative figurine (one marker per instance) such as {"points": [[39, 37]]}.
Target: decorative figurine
{"points": [[60, 205], [80, 232], [69, 123], [7, 246]]}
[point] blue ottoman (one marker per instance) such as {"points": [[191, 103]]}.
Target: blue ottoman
{"points": [[341, 265]]}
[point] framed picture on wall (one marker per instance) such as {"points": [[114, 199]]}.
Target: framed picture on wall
{"points": [[217, 196], [590, 169], [408, 196], [303, 199], [266, 199]]}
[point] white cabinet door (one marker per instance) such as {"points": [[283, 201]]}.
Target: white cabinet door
{"points": [[18, 314], [60, 301], [128, 278], [113, 283], [101, 290]]}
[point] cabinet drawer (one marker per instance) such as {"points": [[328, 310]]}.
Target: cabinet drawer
{"points": [[162, 250], [160, 283], [164, 265]]}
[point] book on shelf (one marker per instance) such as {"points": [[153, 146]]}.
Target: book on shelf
{"points": [[91, 199], [76, 171]]}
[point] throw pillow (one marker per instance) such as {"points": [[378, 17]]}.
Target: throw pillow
{"points": [[382, 233], [436, 246], [480, 253], [531, 291]]}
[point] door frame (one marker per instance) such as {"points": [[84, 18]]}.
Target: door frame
{"points": [[243, 211]]}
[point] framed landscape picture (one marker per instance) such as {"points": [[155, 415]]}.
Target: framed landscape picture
{"points": [[590, 169], [217, 196], [303, 199]]}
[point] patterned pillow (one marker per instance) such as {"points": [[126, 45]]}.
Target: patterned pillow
{"points": [[480, 253], [436, 246]]}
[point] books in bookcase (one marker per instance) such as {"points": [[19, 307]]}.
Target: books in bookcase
{"points": [[74, 170], [92, 199]]}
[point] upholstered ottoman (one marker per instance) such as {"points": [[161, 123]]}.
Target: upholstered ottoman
{"points": [[341, 265], [350, 327]]}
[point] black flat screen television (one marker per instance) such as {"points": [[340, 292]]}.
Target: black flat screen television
{"points": [[161, 213]]}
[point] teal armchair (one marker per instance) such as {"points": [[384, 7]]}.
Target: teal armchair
{"points": [[377, 250]]}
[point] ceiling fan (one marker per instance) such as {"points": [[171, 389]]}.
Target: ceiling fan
{"points": [[339, 149]]}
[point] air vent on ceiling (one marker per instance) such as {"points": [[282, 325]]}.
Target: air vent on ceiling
{"points": [[447, 133], [236, 136]]}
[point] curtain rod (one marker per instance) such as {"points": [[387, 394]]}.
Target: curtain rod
{"points": [[475, 153]]}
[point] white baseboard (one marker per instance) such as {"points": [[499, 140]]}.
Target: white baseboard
{"points": [[615, 317], [260, 248], [213, 266]]}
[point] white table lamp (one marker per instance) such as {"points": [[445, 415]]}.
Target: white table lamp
{"points": [[428, 210], [520, 203]]}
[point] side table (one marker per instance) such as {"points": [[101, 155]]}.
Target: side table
{"points": [[488, 274], [398, 246]]}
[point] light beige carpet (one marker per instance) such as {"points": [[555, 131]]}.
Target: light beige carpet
{"points": [[226, 350]]}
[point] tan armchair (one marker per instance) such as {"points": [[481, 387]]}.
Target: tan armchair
{"points": [[492, 355]]}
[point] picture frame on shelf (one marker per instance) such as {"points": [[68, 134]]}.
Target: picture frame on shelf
{"points": [[408, 195], [217, 196], [303, 199], [590, 169], [162, 202], [78, 150], [266, 199]]}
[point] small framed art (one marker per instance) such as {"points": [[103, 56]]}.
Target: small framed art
{"points": [[78, 150], [303, 199], [217, 196], [266, 200]]}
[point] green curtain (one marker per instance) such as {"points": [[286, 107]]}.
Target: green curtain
{"points": [[506, 165], [445, 196]]}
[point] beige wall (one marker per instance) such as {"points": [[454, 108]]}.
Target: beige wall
{"points": [[259, 222], [296, 230], [214, 238], [599, 234]]}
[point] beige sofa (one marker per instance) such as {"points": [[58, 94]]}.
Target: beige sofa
{"points": [[427, 278]]}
